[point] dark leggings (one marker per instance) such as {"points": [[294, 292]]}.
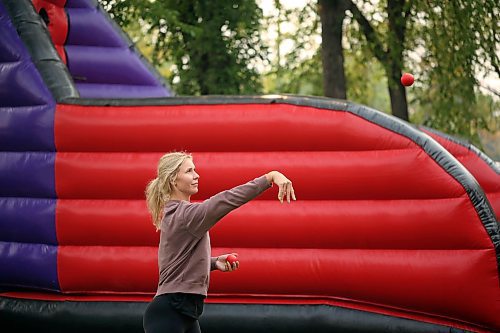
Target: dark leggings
{"points": [[162, 317]]}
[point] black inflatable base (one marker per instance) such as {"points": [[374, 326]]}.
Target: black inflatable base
{"points": [[24, 315]]}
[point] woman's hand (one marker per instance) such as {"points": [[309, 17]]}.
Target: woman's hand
{"points": [[284, 184], [224, 266]]}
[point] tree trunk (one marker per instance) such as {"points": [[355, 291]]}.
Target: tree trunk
{"points": [[397, 92], [397, 29], [332, 14], [392, 58]]}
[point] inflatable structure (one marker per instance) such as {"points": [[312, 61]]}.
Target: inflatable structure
{"points": [[395, 228]]}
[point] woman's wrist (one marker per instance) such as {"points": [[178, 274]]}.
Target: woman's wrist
{"points": [[213, 262], [270, 177]]}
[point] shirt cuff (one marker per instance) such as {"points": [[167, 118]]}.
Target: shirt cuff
{"points": [[262, 183]]}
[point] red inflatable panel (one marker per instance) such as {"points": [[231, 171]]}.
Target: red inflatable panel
{"points": [[401, 174], [362, 276], [60, 3], [352, 225], [356, 275], [62, 53], [229, 127], [484, 173], [114, 269], [58, 23], [104, 222], [408, 224]]}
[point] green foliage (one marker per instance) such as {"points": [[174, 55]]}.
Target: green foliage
{"points": [[367, 83], [366, 79], [447, 44], [456, 38], [298, 70], [302, 78], [210, 46], [301, 70]]}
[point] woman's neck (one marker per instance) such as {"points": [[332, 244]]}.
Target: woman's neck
{"points": [[179, 196]]}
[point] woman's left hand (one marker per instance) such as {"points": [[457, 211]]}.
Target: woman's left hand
{"points": [[284, 185], [225, 266]]}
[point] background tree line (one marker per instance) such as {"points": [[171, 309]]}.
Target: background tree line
{"points": [[346, 49]]}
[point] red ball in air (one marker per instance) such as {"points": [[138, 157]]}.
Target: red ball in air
{"points": [[407, 79], [231, 259]]}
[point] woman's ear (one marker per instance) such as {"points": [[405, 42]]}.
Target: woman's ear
{"points": [[172, 181]]}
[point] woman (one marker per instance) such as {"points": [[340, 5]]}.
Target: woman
{"points": [[184, 252]]}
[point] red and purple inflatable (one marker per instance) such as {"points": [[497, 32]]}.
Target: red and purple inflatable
{"points": [[395, 228]]}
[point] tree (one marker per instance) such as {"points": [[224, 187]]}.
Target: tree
{"points": [[457, 38], [211, 45], [299, 69], [387, 45]]}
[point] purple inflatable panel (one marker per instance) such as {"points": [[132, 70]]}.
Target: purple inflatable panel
{"points": [[90, 27], [80, 4], [102, 59], [27, 174], [21, 84], [28, 220], [90, 64], [10, 45], [18, 90], [28, 128], [119, 91], [33, 266], [26, 105]]}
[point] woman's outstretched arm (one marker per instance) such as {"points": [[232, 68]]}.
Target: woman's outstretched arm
{"points": [[200, 217]]}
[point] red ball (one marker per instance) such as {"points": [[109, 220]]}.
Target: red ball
{"points": [[407, 79], [231, 259]]}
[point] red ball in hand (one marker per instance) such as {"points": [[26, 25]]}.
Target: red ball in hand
{"points": [[407, 79], [231, 259]]}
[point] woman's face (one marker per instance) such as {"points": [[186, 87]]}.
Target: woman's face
{"points": [[186, 182]]}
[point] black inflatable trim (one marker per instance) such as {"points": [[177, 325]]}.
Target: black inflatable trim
{"points": [[57, 316], [442, 157], [35, 36]]}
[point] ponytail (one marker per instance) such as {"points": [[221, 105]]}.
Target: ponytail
{"points": [[155, 202]]}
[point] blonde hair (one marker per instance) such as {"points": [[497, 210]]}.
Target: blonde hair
{"points": [[159, 189]]}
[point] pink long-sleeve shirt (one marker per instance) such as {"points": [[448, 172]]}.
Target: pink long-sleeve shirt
{"points": [[184, 250]]}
